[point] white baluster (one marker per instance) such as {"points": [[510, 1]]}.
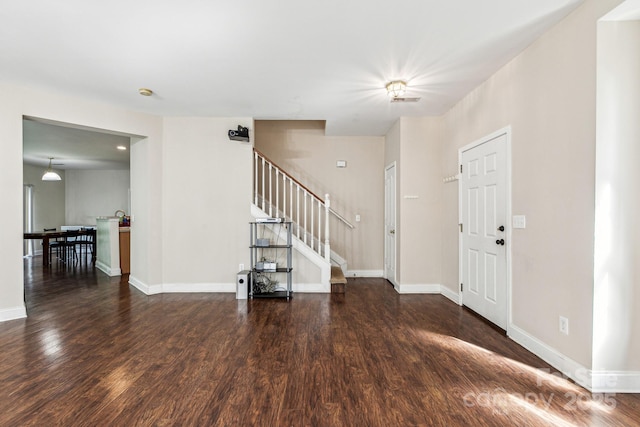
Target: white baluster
{"points": [[311, 228], [270, 191], [305, 217], [291, 199], [263, 181], [277, 192], [319, 226], [298, 208], [255, 176], [284, 195], [327, 246]]}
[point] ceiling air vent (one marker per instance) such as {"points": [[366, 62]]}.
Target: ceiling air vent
{"points": [[403, 99]]}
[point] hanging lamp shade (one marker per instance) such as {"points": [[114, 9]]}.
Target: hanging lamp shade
{"points": [[49, 174]]}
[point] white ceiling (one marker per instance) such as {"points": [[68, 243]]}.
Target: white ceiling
{"points": [[289, 59], [71, 147]]}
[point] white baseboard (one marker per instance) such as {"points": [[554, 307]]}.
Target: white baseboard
{"points": [[199, 288], [364, 273], [108, 270], [311, 288], [564, 364], [450, 294], [418, 289], [594, 381], [143, 287], [13, 313], [615, 382]]}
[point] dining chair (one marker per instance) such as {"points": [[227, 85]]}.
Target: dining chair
{"points": [[61, 246], [85, 240], [54, 244]]}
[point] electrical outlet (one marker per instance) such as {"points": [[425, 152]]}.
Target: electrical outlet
{"points": [[241, 267], [564, 325]]}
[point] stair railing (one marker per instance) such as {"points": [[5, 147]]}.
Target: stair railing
{"points": [[281, 195]]}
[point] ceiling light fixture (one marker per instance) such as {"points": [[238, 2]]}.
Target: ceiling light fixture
{"points": [[396, 88], [49, 174], [145, 92], [121, 148]]}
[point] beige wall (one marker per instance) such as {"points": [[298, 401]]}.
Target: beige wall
{"points": [[93, 193], [302, 149], [206, 203], [617, 235], [48, 199], [547, 95], [420, 201]]}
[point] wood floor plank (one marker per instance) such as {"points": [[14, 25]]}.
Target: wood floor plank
{"points": [[95, 351]]}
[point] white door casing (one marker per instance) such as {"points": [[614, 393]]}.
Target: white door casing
{"points": [[485, 235], [390, 223]]}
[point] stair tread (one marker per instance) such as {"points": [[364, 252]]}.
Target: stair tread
{"points": [[337, 276]]}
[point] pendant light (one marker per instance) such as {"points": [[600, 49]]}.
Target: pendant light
{"points": [[49, 174]]}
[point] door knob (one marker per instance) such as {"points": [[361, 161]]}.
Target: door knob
{"points": [[501, 228], [500, 242], [392, 232]]}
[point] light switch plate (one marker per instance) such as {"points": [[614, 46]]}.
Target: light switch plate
{"points": [[519, 221]]}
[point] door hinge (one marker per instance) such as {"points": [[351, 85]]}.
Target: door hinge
{"points": [[460, 168], [461, 227], [461, 287]]}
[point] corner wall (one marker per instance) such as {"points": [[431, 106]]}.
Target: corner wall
{"points": [[16, 102], [547, 95], [617, 235]]}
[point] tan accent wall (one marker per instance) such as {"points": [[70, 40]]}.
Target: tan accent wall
{"points": [[303, 150]]}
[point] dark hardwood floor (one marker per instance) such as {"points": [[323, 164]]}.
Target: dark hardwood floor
{"points": [[95, 351]]}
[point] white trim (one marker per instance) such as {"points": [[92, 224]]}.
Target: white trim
{"points": [[143, 287], [364, 273], [615, 382], [564, 364], [428, 289], [108, 270], [13, 313], [451, 294], [507, 132], [395, 225], [310, 288], [594, 381], [180, 288], [418, 289]]}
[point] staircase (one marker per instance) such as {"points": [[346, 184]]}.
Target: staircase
{"points": [[278, 194], [338, 281]]}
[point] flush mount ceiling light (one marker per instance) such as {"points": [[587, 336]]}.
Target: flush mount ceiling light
{"points": [[121, 148], [396, 88], [145, 92], [49, 174]]}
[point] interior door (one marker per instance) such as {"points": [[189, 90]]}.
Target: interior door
{"points": [[484, 234], [390, 223]]}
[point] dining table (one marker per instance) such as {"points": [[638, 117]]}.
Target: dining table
{"points": [[45, 236]]}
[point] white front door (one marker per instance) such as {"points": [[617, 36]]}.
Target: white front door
{"points": [[390, 223], [484, 228]]}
